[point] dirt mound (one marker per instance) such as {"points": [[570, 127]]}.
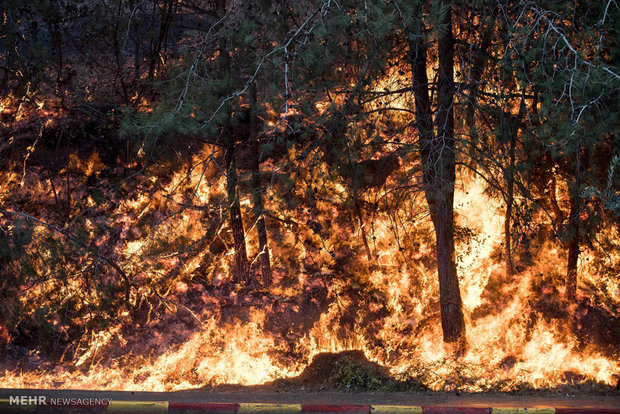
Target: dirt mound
{"points": [[348, 370]]}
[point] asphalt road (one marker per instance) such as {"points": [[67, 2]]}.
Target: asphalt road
{"points": [[245, 395]]}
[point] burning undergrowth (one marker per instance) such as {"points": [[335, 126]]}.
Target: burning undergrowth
{"points": [[117, 275]]}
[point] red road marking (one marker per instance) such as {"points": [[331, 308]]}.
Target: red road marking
{"points": [[587, 411], [456, 410], [318, 408], [219, 408]]}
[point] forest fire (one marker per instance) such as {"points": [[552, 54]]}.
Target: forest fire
{"points": [[241, 349], [414, 199]]}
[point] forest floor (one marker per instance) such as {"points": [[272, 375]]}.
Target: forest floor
{"points": [[349, 378]]}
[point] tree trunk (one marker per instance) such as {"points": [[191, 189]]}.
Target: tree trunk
{"points": [[558, 215], [510, 184], [167, 15], [240, 270], [437, 152], [507, 227], [257, 192], [236, 223], [573, 233], [57, 39], [360, 217], [478, 66], [573, 257]]}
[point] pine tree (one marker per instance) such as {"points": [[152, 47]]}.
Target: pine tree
{"points": [[437, 150]]}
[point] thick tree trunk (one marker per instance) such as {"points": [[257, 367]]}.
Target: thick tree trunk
{"points": [[452, 321], [437, 152], [257, 192]]}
